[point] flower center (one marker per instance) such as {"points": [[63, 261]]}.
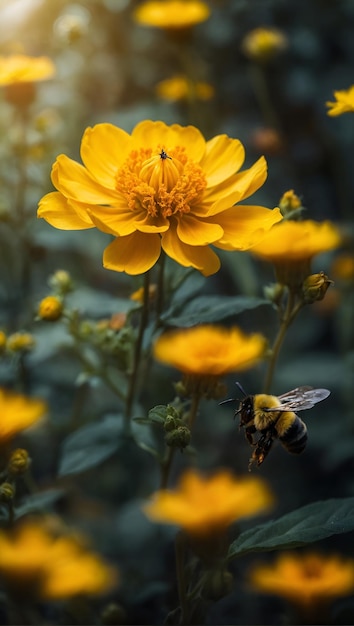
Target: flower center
{"points": [[163, 184]]}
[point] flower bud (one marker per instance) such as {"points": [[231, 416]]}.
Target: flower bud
{"points": [[178, 438], [50, 309], [315, 287], [290, 204], [61, 282], [113, 615], [219, 583], [274, 292], [7, 492], [19, 462]]}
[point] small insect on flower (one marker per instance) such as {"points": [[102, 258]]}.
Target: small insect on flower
{"points": [[274, 417]]}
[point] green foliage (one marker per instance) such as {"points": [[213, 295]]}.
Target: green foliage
{"points": [[306, 525], [210, 309], [90, 445]]}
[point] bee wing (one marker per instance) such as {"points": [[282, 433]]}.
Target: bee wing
{"points": [[300, 399]]}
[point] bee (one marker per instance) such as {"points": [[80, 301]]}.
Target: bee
{"points": [[274, 417]]}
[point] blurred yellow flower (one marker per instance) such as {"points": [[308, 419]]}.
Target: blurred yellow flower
{"points": [[181, 88], [38, 564], [343, 267], [305, 579], [209, 350], [50, 308], [20, 342], [18, 412], [297, 241], [264, 43], [171, 14], [3, 340], [344, 102], [18, 68], [160, 187], [203, 506]]}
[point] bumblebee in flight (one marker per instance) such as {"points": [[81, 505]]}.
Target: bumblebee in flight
{"points": [[274, 417]]}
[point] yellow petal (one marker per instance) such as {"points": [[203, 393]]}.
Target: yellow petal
{"points": [[223, 157], [60, 213], [200, 257], [134, 254], [244, 226], [196, 232], [74, 181], [236, 188], [103, 150], [157, 134]]}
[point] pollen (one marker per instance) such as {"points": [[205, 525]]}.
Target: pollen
{"points": [[163, 183]]}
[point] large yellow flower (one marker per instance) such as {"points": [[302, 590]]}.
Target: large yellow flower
{"points": [[35, 562], [305, 579], [172, 14], [344, 102], [209, 350], [18, 413], [203, 506], [160, 187], [19, 68]]}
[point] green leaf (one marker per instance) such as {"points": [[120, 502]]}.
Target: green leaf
{"points": [[210, 309], [36, 502], [158, 414], [308, 524], [90, 445]]}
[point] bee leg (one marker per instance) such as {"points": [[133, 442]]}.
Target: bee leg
{"points": [[262, 449], [249, 432]]}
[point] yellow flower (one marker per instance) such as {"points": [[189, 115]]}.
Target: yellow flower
{"points": [[18, 68], [203, 506], [18, 413], [344, 102], [262, 44], [20, 342], [3, 340], [171, 14], [289, 203], [305, 579], [297, 241], [181, 88], [343, 267], [160, 187], [50, 308], [209, 350], [36, 563], [291, 246]]}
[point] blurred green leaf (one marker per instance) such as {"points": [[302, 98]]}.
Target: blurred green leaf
{"points": [[90, 445], [310, 523], [158, 414], [38, 502], [210, 309]]}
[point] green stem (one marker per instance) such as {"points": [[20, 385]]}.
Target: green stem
{"points": [[260, 87], [180, 549], [166, 467], [292, 309], [194, 409], [137, 351], [160, 288]]}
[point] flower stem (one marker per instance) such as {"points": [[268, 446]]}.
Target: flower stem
{"points": [[196, 397], [166, 467], [180, 548], [137, 352], [291, 310], [160, 288]]}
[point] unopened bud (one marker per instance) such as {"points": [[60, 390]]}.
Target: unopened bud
{"points": [[274, 292], [218, 584], [290, 205], [50, 309], [7, 492], [113, 615], [315, 287], [19, 462], [61, 282], [178, 438]]}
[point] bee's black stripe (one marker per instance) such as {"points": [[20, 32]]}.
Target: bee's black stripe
{"points": [[295, 438]]}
